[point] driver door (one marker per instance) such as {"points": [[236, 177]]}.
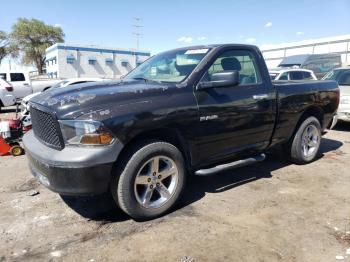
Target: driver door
{"points": [[234, 119]]}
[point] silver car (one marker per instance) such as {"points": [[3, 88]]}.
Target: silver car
{"points": [[342, 76]]}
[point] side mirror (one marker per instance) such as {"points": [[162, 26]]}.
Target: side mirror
{"points": [[221, 79]]}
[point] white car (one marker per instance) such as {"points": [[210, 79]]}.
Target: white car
{"points": [[61, 84], [42, 84], [20, 81], [291, 74], [6, 94], [342, 76]]}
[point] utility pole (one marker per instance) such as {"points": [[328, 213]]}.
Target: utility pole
{"points": [[137, 31]]}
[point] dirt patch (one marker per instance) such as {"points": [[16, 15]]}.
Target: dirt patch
{"points": [[334, 154], [28, 185], [343, 237], [271, 211]]}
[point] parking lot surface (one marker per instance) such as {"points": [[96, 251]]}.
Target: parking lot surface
{"points": [[269, 211]]}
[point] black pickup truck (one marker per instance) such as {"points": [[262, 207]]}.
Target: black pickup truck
{"points": [[182, 111]]}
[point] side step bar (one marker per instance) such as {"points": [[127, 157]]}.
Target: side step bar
{"points": [[235, 164]]}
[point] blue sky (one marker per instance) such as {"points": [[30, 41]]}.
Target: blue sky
{"points": [[170, 24]]}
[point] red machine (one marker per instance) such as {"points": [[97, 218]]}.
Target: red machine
{"points": [[10, 137]]}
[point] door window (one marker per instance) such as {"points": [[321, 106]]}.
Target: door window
{"points": [[296, 75], [240, 60], [16, 77], [284, 76], [3, 76], [344, 79], [307, 75]]}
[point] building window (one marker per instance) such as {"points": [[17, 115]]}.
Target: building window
{"points": [[109, 61], [92, 60], [70, 59], [125, 62]]}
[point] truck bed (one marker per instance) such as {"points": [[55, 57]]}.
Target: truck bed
{"points": [[294, 97]]}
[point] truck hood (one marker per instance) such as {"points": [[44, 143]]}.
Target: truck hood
{"points": [[28, 97], [73, 101]]}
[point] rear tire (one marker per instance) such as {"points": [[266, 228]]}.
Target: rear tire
{"points": [[149, 180], [303, 147]]}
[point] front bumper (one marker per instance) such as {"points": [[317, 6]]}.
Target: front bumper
{"points": [[73, 170]]}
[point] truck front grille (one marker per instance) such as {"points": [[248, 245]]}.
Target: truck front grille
{"points": [[46, 128]]}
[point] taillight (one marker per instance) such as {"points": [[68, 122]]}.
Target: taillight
{"points": [[338, 98], [9, 88]]}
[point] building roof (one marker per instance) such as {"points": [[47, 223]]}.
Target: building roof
{"points": [[78, 47], [316, 41]]}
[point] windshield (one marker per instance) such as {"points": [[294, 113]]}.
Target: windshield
{"points": [[273, 76], [60, 84], [173, 66], [341, 76]]}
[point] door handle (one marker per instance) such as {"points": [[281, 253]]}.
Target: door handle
{"points": [[260, 97], [26, 84]]}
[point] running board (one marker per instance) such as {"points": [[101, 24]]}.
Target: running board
{"points": [[235, 164]]}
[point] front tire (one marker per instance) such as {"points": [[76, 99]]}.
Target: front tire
{"points": [[305, 144], [149, 180]]}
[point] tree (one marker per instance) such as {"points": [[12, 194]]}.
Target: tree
{"points": [[32, 37], [7, 47], [4, 45]]}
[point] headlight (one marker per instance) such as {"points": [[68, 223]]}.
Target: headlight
{"points": [[345, 100], [81, 132]]}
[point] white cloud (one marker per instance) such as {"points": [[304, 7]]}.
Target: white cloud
{"points": [[250, 40], [186, 39], [201, 38], [300, 33], [57, 25], [268, 24], [241, 36]]}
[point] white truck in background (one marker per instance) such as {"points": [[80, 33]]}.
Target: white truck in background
{"points": [[24, 86], [20, 82]]}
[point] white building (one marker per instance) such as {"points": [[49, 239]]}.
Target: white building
{"points": [[274, 54], [68, 61]]}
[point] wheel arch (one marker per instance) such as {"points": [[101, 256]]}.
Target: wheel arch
{"points": [[169, 135], [314, 111]]}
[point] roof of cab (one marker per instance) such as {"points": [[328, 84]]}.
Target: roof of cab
{"points": [[213, 46]]}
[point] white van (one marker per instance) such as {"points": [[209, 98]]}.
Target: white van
{"points": [[20, 82]]}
